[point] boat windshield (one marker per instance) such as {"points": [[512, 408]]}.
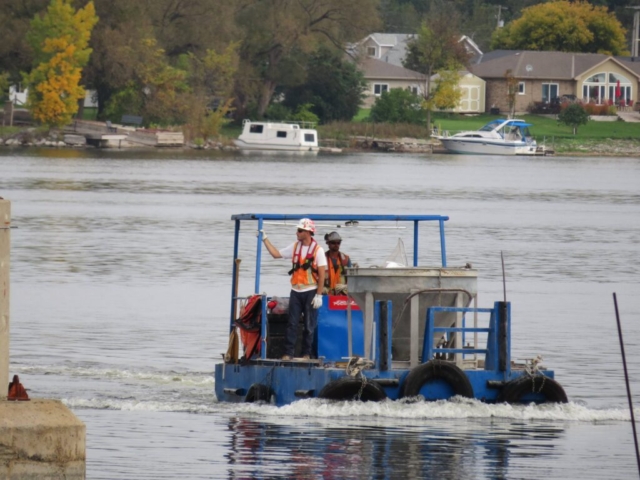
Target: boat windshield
{"points": [[491, 125]]}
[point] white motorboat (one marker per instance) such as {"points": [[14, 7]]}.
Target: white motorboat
{"points": [[498, 137], [295, 137]]}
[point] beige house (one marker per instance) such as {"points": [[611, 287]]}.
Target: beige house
{"points": [[381, 57], [547, 76], [382, 77]]}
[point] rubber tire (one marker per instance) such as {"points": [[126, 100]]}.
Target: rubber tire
{"points": [[258, 393], [437, 370], [515, 390], [346, 388]]}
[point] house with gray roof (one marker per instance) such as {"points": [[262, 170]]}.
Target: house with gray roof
{"points": [[547, 76], [381, 56]]}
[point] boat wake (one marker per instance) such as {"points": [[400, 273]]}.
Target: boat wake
{"points": [[189, 379], [456, 408]]}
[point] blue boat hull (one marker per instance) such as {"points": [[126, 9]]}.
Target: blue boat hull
{"points": [[291, 381]]}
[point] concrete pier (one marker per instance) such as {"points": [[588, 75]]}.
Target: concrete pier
{"points": [[38, 438], [5, 248]]}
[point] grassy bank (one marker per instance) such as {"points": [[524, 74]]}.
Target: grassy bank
{"points": [[614, 138]]}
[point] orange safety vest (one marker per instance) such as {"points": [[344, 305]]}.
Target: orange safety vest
{"points": [[304, 273], [336, 273]]}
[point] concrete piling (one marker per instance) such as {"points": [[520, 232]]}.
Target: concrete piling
{"points": [[5, 242], [39, 438]]}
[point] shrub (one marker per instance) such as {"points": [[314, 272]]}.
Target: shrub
{"points": [[398, 106], [278, 112], [574, 116]]}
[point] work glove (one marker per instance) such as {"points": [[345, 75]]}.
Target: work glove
{"points": [[264, 234], [317, 301], [341, 288]]}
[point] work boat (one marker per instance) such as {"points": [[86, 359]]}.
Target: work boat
{"points": [[498, 137], [295, 137], [403, 330]]}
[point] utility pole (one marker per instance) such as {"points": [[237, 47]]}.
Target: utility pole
{"points": [[500, 22], [636, 31]]}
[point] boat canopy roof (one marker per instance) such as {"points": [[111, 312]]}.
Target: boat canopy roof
{"points": [[508, 123], [344, 221], [339, 217]]}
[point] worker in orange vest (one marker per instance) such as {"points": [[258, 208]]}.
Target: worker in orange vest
{"points": [[307, 282], [336, 283]]}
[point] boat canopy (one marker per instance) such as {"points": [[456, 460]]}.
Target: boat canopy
{"points": [[344, 221], [507, 123]]}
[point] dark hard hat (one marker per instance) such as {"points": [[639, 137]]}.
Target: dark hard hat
{"points": [[332, 237]]}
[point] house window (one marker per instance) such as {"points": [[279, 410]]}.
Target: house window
{"points": [[521, 88], [371, 51], [309, 137], [380, 88], [616, 87], [281, 134], [549, 92], [256, 128]]}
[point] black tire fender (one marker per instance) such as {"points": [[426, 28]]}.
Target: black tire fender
{"points": [[347, 388], [258, 393], [515, 390], [437, 370]]}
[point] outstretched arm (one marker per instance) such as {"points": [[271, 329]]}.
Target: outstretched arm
{"points": [[275, 253]]}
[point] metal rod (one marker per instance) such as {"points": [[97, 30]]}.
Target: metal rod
{"points": [[504, 279], [626, 379], [356, 225], [236, 283]]}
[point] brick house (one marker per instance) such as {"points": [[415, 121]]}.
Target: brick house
{"points": [[546, 76]]}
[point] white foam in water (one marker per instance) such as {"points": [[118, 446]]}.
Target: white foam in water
{"points": [[131, 405], [189, 379], [456, 408]]}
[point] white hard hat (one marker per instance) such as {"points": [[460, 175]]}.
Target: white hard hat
{"points": [[307, 224]]}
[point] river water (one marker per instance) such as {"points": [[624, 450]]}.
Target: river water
{"points": [[120, 284]]}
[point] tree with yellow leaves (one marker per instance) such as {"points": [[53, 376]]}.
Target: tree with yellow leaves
{"points": [[564, 26], [60, 40]]}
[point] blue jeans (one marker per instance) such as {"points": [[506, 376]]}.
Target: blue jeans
{"points": [[300, 303]]}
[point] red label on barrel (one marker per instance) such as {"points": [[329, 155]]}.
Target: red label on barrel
{"points": [[339, 302]]}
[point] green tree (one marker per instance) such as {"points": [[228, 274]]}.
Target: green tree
{"points": [[16, 55], [398, 106], [158, 91], [4, 86], [334, 87], [60, 40], [566, 27], [277, 33], [211, 79], [574, 116], [437, 47]]}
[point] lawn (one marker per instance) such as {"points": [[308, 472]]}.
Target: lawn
{"points": [[542, 127], [545, 127]]}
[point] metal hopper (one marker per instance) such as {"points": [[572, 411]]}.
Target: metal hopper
{"points": [[411, 291]]}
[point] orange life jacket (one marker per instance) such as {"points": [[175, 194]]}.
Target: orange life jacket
{"points": [[304, 272], [336, 273]]}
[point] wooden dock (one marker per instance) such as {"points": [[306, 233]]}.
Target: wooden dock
{"points": [[101, 135]]}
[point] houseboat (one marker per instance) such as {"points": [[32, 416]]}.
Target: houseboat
{"points": [[498, 137], [296, 137], [403, 330]]}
